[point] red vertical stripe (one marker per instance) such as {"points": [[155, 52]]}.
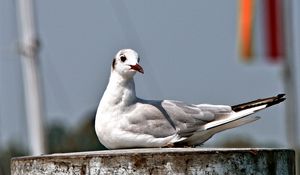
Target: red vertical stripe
{"points": [[246, 29], [274, 30]]}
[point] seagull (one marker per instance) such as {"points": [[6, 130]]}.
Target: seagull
{"points": [[124, 120]]}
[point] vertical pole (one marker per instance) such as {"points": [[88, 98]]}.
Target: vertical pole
{"points": [[29, 60], [289, 80]]}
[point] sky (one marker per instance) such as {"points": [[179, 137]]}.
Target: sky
{"points": [[188, 50]]}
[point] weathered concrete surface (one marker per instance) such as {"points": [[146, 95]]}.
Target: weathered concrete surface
{"points": [[160, 161]]}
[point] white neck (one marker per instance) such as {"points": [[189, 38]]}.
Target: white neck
{"points": [[119, 91]]}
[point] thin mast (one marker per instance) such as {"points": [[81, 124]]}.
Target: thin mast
{"points": [[29, 48]]}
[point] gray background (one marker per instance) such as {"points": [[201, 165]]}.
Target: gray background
{"points": [[188, 50]]}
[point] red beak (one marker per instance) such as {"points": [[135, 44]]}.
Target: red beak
{"points": [[138, 68]]}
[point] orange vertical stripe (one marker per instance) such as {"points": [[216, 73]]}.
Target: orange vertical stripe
{"points": [[246, 15]]}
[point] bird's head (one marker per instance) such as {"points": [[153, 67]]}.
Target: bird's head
{"points": [[126, 63]]}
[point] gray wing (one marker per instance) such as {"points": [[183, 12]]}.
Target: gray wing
{"points": [[190, 118], [167, 117]]}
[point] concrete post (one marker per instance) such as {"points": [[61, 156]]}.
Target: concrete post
{"points": [[160, 161]]}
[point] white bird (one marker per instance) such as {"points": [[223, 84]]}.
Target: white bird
{"points": [[125, 121]]}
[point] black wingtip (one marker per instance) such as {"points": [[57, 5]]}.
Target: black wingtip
{"points": [[266, 101], [280, 98], [280, 95]]}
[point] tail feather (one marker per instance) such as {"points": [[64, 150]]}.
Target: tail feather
{"points": [[239, 116], [201, 136], [233, 117], [259, 102], [245, 109]]}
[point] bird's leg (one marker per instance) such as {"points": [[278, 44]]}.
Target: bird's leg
{"points": [[169, 145]]}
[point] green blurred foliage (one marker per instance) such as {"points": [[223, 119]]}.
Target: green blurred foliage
{"points": [[244, 141], [13, 150], [82, 138], [60, 138]]}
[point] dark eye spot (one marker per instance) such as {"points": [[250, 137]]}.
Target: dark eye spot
{"points": [[138, 59], [123, 58]]}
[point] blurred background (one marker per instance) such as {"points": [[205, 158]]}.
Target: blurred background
{"points": [[218, 52]]}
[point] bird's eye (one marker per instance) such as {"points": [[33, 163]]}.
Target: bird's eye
{"points": [[138, 59], [123, 58]]}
